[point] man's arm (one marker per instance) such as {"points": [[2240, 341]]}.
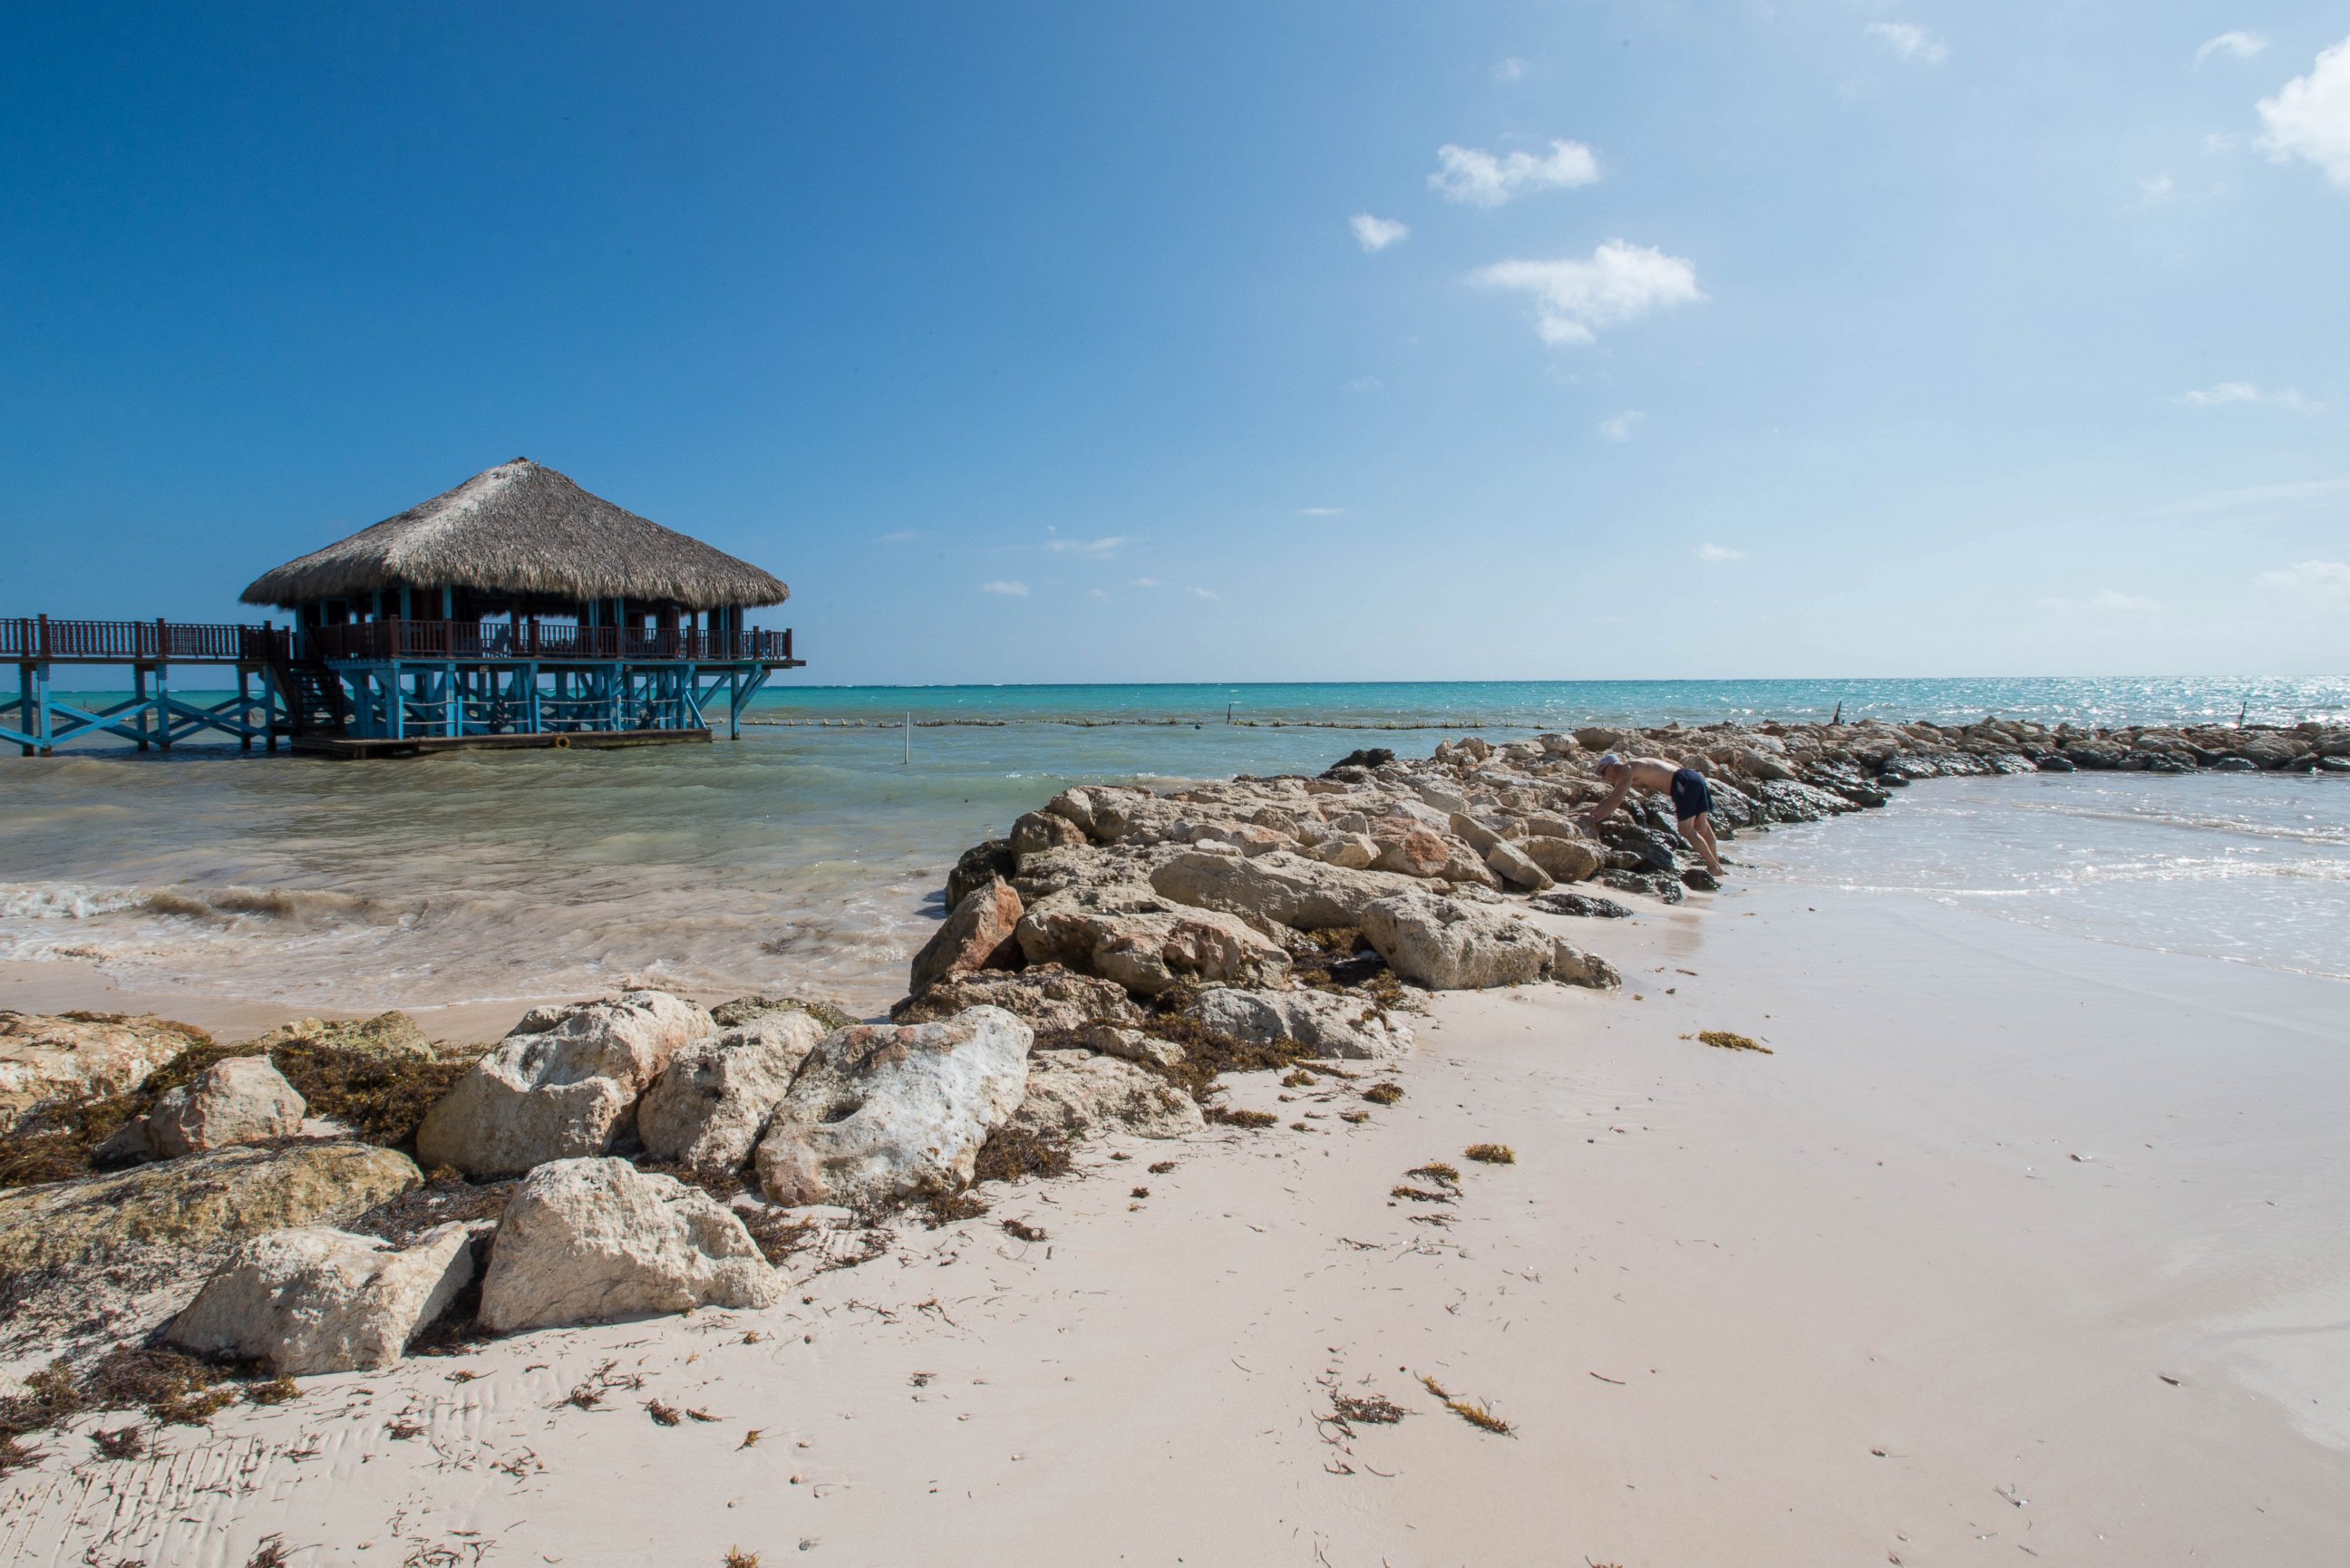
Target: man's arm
{"points": [[1598, 814]]}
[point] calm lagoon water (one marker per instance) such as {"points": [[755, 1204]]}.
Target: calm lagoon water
{"points": [[807, 858]]}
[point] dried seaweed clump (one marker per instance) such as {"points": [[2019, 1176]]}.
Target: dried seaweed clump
{"points": [[1367, 1410], [742, 1009], [1011, 1153], [1208, 1053], [1254, 1120], [1723, 1040], [1436, 1171], [1384, 1094], [380, 1095], [1491, 1154], [1472, 1411]]}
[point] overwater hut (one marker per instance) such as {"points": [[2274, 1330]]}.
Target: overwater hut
{"points": [[518, 609]]}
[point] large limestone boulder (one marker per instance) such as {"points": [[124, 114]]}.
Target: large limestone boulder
{"points": [[1317, 1021], [596, 1240], [977, 867], [1038, 831], [222, 1197], [1286, 888], [1352, 851], [1571, 965], [1151, 949], [316, 1299], [978, 934], [1446, 945], [881, 1113], [1512, 865], [707, 1111], [1049, 997], [244, 1099], [1077, 1095], [81, 1057], [563, 1085], [1564, 859]]}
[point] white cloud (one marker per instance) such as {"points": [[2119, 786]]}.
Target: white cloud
{"points": [[1205, 593], [1508, 70], [1146, 582], [2111, 600], [2316, 579], [1620, 283], [1364, 384], [2227, 393], [2310, 116], [1097, 548], [1377, 234], [1619, 428], [1909, 41], [1321, 512], [1480, 179], [1017, 588], [2154, 190], [1096, 594], [2243, 46], [1719, 553]]}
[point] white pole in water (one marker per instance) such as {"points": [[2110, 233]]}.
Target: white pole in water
{"points": [[909, 741]]}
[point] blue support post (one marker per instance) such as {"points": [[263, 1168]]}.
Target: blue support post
{"points": [[162, 695]]}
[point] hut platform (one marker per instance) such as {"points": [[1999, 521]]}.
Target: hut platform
{"points": [[349, 747]]}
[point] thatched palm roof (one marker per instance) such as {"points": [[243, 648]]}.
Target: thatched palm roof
{"points": [[519, 528]]}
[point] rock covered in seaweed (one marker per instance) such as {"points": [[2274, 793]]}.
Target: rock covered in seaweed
{"points": [[81, 1057], [1050, 998], [239, 1100]]}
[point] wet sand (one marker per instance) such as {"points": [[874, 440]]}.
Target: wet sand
{"points": [[1854, 1301]]}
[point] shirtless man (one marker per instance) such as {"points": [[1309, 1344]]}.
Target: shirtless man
{"points": [[1691, 799]]}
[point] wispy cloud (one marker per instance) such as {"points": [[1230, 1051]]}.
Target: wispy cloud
{"points": [[1321, 512], [2112, 601], [1480, 179], [1377, 234], [2239, 43], [1146, 582], [2327, 580], [1573, 298], [2156, 190], [1719, 553], [1508, 70], [1096, 594], [2255, 498], [2310, 116], [1098, 548], [1364, 384], [1620, 428], [1909, 41], [2227, 393], [1205, 593], [1018, 589]]}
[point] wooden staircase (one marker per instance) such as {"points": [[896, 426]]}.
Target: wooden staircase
{"points": [[313, 696]]}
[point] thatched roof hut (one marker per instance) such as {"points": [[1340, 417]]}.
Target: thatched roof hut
{"points": [[520, 535]]}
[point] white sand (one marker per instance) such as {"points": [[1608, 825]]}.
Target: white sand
{"points": [[1852, 1301]]}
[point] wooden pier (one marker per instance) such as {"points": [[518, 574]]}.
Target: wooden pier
{"points": [[515, 611], [389, 688]]}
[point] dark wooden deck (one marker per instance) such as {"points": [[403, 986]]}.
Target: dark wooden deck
{"points": [[350, 748]]}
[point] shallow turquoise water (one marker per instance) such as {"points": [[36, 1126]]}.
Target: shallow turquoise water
{"points": [[802, 857]]}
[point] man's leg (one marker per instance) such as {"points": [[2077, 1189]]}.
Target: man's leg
{"points": [[1697, 831]]}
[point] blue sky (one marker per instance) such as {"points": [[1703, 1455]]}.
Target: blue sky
{"points": [[1224, 341]]}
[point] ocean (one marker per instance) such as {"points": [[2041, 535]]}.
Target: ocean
{"points": [[806, 857]]}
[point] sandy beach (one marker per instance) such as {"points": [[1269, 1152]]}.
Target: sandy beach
{"points": [[2014, 1243]]}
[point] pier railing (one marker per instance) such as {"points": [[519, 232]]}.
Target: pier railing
{"points": [[383, 641], [31, 639]]}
